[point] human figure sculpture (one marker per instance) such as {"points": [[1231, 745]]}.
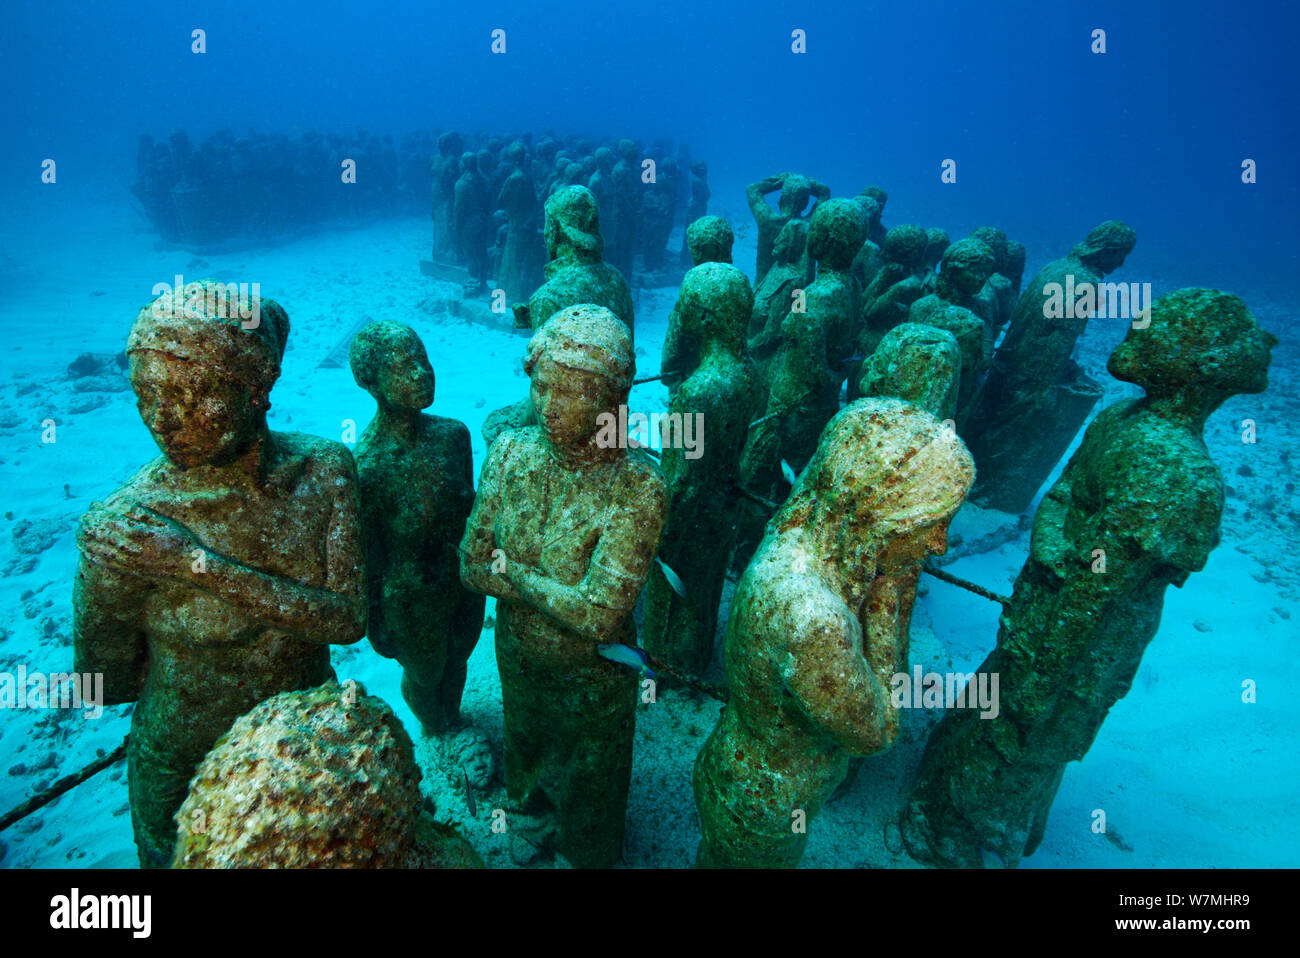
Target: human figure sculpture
{"points": [[996, 300], [795, 190], [522, 255], [445, 168], [709, 240], [1137, 509], [805, 375], [220, 573], [936, 244], [869, 259], [724, 392], [921, 364], [776, 293], [626, 214], [696, 209], [417, 488], [895, 287], [575, 274], [322, 778], [1035, 398], [819, 625], [601, 184], [658, 210], [564, 530], [472, 220], [965, 268]]}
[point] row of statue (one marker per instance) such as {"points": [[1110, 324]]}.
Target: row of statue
{"points": [[213, 583], [488, 204]]}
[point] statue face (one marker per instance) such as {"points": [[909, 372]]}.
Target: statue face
{"points": [[407, 381], [568, 401], [196, 418]]}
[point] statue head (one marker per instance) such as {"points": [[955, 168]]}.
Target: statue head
{"points": [[709, 240], [572, 225], [918, 363], [309, 779], [468, 162], [1200, 344], [202, 372], [1106, 246], [996, 241], [795, 193], [389, 361], [581, 364], [836, 233], [450, 143], [936, 244], [905, 246], [885, 480], [714, 304], [605, 159], [965, 268], [515, 153], [627, 150]]}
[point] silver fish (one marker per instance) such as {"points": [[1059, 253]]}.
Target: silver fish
{"points": [[788, 472], [673, 578]]}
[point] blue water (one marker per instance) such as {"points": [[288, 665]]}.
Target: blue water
{"points": [[1049, 139]]}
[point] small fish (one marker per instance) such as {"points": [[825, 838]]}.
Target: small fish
{"points": [[990, 859], [788, 472], [469, 795], [629, 655], [673, 578], [1116, 839], [853, 359]]}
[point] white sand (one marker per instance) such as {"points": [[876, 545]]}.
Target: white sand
{"points": [[1186, 773]]}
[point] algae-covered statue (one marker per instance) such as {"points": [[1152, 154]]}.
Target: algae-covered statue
{"points": [[695, 211], [471, 220], [1035, 399], [819, 626], [221, 572], [795, 190], [894, 288], [709, 240], [963, 271], [723, 392], [575, 274], [564, 530], [522, 256], [1137, 509], [774, 296], [918, 363], [417, 487], [323, 778]]}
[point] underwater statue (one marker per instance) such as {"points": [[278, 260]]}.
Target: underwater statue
{"points": [[795, 190], [1035, 398], [709, 240], [417, 488], [1137, 509], [721, 391], [819, 626], [520, 270], [804, 377], [625, 217], [658, 211], [776, 293], [564, 530], [445, 169], [696, 209], [322, 778], [963, 271], [894, 288], [220, 573], [995, 303], [917, 363], [936, 244], [869, 259], [471, 220], [575, 274]]}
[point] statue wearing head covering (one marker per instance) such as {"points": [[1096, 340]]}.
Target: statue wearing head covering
{"points": [[323, 778], [819, 625], [564, 529], [221, 572]]}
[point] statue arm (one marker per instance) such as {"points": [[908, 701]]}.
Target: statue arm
{"points": [[756, 191], [106, 636], [833, 684], [480, 556], [620, 564]]}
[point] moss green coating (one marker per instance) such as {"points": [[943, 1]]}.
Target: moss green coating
{"points": [[725, 392], [921, 364], [818, 626], [417, 488], [709, 240], [564, 529], [1143, 489], [796, 191], [219, 574]]}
